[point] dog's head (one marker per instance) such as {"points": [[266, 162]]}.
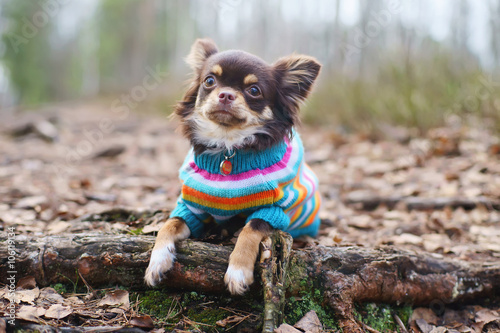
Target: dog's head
{"points": [[238, 101]]}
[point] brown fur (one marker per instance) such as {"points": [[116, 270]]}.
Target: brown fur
{"points": [[171, 231], [245, 252], [247, 246], [284, 84]]}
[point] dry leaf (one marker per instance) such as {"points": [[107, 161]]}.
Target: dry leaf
{"points": [[406, 238], [29, 313], [424, 313], [230, 320], [73, 300], [434, 242], [27, 282], [486, 316], [142, 321], [27, 296], [158, 330], [58, 311], [116, 298], [57, 227], [424, 326], [148, 229], [51, 295], [361, 222], [285, 328], [492, 327], [31, 202], [310, 323]]}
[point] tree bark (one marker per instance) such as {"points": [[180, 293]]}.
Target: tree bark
{"points": [[345, 275], [274, 262]]}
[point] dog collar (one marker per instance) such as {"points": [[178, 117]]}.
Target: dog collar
{"points": [[226, 166]]}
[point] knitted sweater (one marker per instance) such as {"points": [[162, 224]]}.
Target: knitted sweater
{"points": [[274, 185]]}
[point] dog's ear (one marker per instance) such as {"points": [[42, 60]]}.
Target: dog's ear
{"points": [[295, 75], [200, 51]]}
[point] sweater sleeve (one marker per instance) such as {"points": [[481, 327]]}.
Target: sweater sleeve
{"points": [[273, 215], [192, 221]]}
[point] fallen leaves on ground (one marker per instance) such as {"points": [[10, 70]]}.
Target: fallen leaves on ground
{"points": [[474, 319], [116, 298], [309, 323], [47, 306]]}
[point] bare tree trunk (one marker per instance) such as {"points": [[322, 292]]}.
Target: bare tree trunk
{"points": [[344, 275], [494, 9]]}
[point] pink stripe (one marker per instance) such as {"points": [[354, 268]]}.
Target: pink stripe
{"points": [[306, 176], [244, 175]]}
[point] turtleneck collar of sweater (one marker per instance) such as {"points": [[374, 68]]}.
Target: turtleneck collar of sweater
{"points": [[243, 160]]}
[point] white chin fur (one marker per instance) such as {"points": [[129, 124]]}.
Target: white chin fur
{"points": [[221, 138]]}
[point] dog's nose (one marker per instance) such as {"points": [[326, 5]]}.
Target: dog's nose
{"points": [[226, 97]]}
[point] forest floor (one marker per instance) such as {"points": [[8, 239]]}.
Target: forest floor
{"points": [[439, 193]]}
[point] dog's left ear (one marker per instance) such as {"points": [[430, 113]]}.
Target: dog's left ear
{"points": [[200, 51], [295, 75]]}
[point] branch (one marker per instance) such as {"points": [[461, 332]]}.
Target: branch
{"points": [[345, 275]]}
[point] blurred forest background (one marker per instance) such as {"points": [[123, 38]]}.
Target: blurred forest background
{"points": [[399, 62]]}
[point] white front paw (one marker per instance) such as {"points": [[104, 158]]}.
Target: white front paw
{"points": [[161, 261], [238, 279]]}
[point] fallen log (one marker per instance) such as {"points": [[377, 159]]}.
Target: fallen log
{"points": [[345, 275], [367, 201]]}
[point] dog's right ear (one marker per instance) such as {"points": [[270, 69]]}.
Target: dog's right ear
{"points": [[200, 51]]}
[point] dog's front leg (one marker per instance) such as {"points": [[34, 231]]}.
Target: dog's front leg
{"points": [[163, 255], [239, 274]]}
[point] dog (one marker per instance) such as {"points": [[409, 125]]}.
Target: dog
{"points": [[239, 113]]}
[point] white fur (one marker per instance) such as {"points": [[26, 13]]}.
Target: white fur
{"points": [[221, 138], [183, 233], [238, 279], [161, 261], [212, 134]]}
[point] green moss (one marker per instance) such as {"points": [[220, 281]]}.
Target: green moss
{"points": [[298, 272], [191, 297], [60, 288], [404, 313], [297, 307], [135, 232], [208, 316], [158, 305], [196, 311], [380, 316]]}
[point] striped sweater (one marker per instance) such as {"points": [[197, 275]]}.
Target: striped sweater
{"points": [[274, 185]]}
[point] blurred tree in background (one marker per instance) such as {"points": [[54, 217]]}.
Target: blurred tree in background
{"points": [[28, 59], [408, 63]]}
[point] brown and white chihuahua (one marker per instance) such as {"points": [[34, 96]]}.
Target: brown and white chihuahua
{"points": [[239, 114]]}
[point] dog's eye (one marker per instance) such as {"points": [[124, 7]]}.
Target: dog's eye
{"points": [[254, 91], [209, 82]]}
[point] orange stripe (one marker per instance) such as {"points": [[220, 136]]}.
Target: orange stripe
{"points": [[311, 217], [297, 185], [256, 199], [297, 213]]}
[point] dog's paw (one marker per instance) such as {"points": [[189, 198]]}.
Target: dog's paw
{"points": [[238, 279], [161, 261]]}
